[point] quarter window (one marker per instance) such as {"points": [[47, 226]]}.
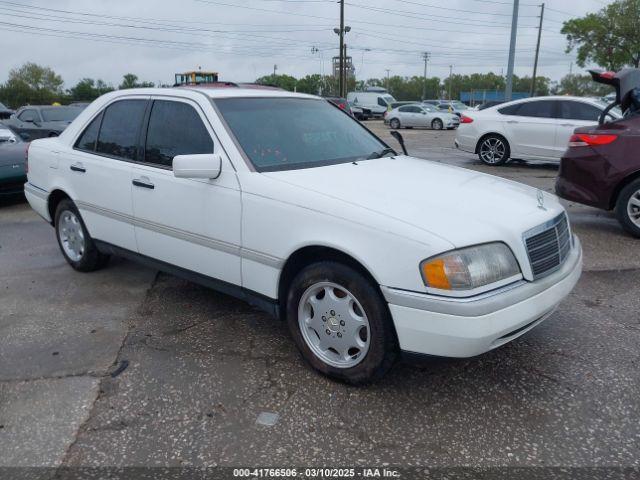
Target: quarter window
{"points": [[175, 128], [120, 129], [579, 111], [87, 140]]}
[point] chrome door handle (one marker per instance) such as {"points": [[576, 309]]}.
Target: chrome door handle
{"points": [[512, 121], [568, 125], [78, 167], [143, 183]]}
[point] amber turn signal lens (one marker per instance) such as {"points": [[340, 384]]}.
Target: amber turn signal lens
{"points": [[435, 275]]}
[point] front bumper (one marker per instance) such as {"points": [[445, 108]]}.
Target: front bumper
{"points": [[465, 327]]}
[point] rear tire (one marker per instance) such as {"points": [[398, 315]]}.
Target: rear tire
{"points": [[76, 245], [395, 123], [493, 150], [628, 208], [340, 323]]}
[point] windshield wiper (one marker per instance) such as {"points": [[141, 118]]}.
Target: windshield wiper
{"points": [[382, 153]]}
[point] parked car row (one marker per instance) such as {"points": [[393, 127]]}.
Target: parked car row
{"points": [[12, 162], [39, 121]]}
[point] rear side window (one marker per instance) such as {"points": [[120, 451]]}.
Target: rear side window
{"points": [[120, 129], [537, 109], [175, 128], [579, 111], [87, 140]]}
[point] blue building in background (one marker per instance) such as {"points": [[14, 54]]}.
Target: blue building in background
{"points": [[476, 97]]}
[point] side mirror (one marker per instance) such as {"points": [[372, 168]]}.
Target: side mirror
{"points": [[208, 165]]}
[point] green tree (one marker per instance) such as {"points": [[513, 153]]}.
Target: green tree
{"points": [[286, 82], [88, 89], [31, 84], [610, 37], [130, 80], [581, 85]]}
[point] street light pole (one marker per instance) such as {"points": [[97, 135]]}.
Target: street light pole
{"points": [[342, 59], [425, 56], [450, 80], [512, 52], [388, 71], [535, 63]]}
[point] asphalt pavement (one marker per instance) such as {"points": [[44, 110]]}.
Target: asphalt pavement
{"points": [[128, 367]]}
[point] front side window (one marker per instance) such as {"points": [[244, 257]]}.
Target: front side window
{"points": [[120, 129], [538, 109], [405, 109], [579, 111], [87, 140], [175, 128], [381, 102], [287, 133], [29, 116]]}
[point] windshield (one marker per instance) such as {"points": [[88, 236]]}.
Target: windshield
{"points": [[3, 107], [60, 114], [459, 106], [428, 108], [288, 133]]}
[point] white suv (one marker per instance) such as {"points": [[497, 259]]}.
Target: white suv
{"points": [[285, 201]]}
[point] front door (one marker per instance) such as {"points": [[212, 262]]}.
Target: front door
{"points": [[190, 223]]}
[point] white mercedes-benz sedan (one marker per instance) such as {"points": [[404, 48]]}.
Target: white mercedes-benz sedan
{"points": [[285, 201]]}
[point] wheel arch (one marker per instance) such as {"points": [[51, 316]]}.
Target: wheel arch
{"points": [[311, 254], [621, 185], [485, 135], [55, 197]]}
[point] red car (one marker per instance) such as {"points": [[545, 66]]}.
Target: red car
{"points": [[601, 167]]}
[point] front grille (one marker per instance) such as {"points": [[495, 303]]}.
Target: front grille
{"points": [[548, 245]]}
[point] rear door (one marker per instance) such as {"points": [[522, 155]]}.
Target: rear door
{"points": [[190, 223], [574, 114], [100, 170], [531, 129]]}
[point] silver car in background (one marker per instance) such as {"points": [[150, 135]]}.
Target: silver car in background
{"points": [[421, 115]]}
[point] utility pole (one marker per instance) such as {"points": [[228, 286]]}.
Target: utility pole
{"points": [[450, 80], [275, 68], [342, 59], [425, 56], [535, 63], [388, 71], [512, 51]]}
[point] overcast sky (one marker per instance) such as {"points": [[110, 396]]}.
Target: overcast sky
{"points": [[243, 39]]}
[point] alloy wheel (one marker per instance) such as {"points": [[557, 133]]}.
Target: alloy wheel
{"points": [[71, 235], [334, 325], [633, 208], [492, 150]]}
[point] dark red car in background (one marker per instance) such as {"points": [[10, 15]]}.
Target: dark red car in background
{"points": [[601, 167]]}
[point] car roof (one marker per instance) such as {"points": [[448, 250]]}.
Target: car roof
{"points": [[216, 92]]}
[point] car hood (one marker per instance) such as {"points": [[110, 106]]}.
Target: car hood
{"points": [[462, 206]]}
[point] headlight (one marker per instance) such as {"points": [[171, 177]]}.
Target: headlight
{"points": [[469, 269]]}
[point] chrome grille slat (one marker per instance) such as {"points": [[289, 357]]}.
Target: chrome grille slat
{"points": [[548, 245]]}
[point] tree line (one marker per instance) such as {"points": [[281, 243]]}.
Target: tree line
{"points": [[34, 84]]}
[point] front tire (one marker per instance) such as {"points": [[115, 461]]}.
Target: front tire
{"points": [[494, 150], [74, 240], [340, 323], [628, 208], [437, 124], [394, 123]]}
